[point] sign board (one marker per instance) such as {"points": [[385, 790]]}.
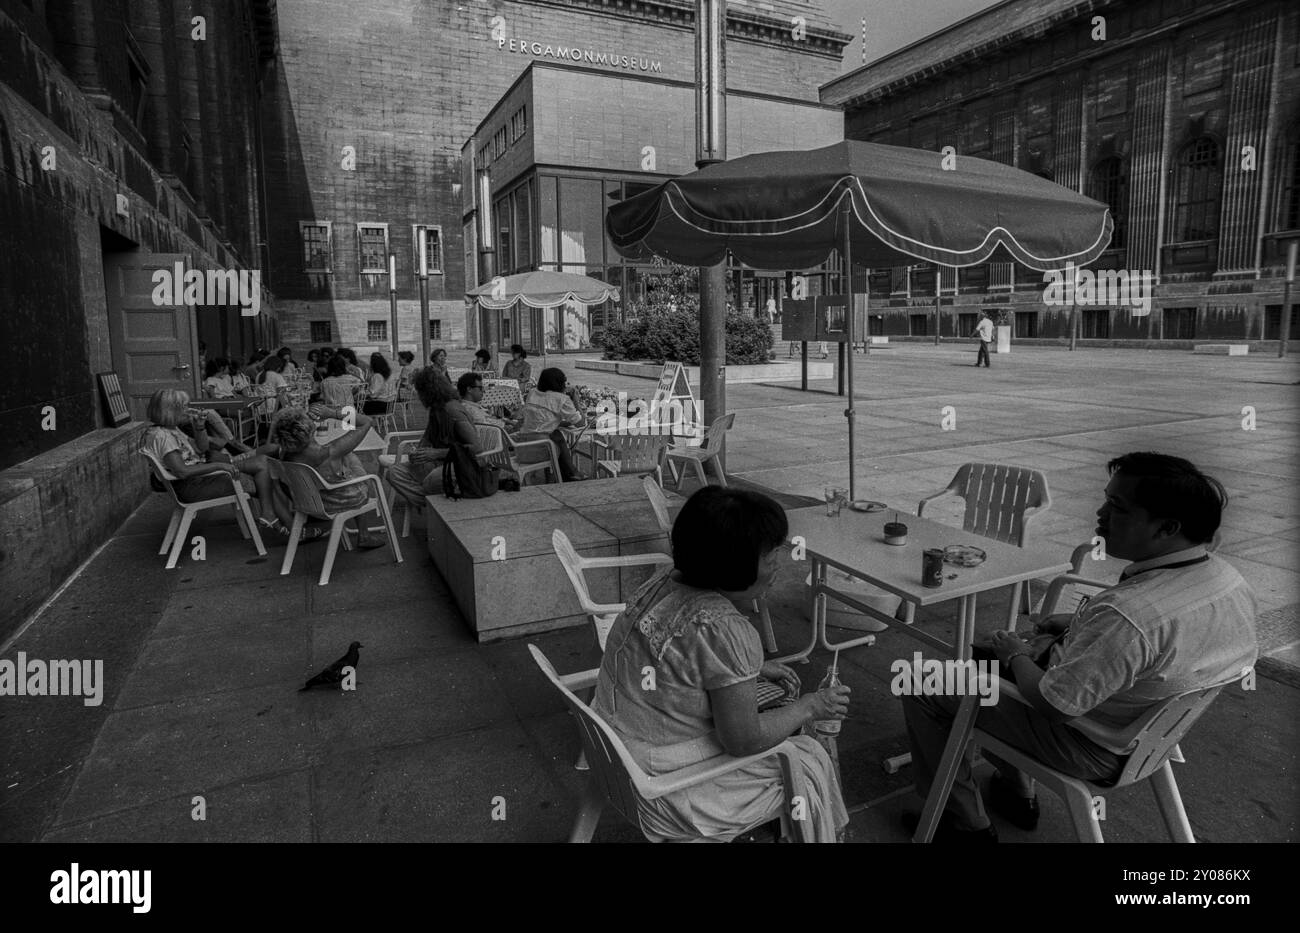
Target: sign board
{"points": [[675, 387], [798, 319], [118, 411]]}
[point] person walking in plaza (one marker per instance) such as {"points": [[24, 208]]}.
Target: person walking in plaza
{"points": [[984, 331], [1179, 619]]}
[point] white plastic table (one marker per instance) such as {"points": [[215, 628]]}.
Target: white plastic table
{"points": [[854, 542]]}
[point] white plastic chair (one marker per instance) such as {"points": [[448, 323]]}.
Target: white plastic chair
{"points": [[575, 566], [305, 486], [617, 780], [512, 447], [634, 454], [1157, 735], [1001, 501], [399, 445], [179, 526], [707, 452]]}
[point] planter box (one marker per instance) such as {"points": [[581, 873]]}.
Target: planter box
{"points": [[528, 591], [1222, 349]]}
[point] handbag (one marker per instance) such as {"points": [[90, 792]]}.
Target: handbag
{"points": [[464, 477]]}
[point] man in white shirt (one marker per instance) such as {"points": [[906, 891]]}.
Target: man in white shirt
{"points": [[1178, 620], [984, 331]]}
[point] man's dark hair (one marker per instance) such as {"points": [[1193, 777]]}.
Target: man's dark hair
{"points": [[348, 354], [483, 355], [721, 533], [516, 348], [1174, 489], [337, 366], [551, 380], [433, 387], [467, 381]]}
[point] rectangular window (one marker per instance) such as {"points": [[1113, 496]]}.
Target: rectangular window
{"points": [[1002, 276], [1094, 324], [1273, 323], [435, 329], [919, 325], [1026, 323], [947, 280], [372, 248], [519, 123], [499, 144], [317, 246], [523, 198], [966, 324], [321, 332], [376, 331], [432, 248], [548, 216], [922, 281], [898, 281], [1179, 324]]}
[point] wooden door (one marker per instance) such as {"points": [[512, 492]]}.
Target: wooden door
{"points": [[154, 345]]}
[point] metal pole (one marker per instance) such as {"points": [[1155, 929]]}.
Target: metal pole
{"points": [[1285, 323], [392, 300], [711, 147], [938, 291], [846, 257], [1074, 325], [424, 297]]}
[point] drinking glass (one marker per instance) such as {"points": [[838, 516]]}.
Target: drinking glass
{"points": [[836, 497]]}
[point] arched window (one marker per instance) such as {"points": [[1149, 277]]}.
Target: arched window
{"points": [[1109, 185], [1197, 185]]}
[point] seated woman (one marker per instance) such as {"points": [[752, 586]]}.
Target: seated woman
{"points": [[354, 368], [406, 367], [383, 386], [336, 388], [518, 367], [240, 383], [482, 362], [322, 363], [687, 623], [272, 384], [216, 379], [295, 432], [547, 409], [438, 360], [191, 461], [290, 364]]}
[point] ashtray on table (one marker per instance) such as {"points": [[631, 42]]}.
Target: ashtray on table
{"points": [[964, 555]]}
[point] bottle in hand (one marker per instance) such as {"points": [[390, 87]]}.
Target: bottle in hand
{"points": [[829, 727]]}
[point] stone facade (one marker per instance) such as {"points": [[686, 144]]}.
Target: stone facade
{"points": [[1034, 84]]}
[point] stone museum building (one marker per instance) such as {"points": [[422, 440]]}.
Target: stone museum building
{"points": [[521, 118], [1182, 115]]}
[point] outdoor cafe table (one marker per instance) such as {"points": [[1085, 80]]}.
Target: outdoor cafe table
{"points": [[235, 408], [854, 542], [368, 450]]}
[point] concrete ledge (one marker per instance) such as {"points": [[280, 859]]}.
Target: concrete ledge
{"points": [[780, 371], [1222, 349], [57, 508], [528, 591]]}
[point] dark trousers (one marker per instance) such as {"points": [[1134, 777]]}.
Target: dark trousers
{"points": [[983, 354], [929, 720]]}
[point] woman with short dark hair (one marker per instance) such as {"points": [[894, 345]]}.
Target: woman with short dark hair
{"points": [[482, 362], [383, 386], [517, 368], [336, 388], [687, 624], [547, 409]]}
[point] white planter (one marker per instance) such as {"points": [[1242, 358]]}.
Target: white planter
{"points": [[1003, 342]]}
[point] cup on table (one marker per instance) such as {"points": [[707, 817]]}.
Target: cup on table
{"points": [[836, 497]]}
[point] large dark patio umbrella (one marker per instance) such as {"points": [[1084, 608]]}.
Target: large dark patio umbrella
{"points": [[878, 205]]}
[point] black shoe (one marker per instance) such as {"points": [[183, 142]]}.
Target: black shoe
{"points": [[946, 832], [1008, 804]]}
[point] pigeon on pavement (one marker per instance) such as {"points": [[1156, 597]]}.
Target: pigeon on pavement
{"points": [[334, 673]]}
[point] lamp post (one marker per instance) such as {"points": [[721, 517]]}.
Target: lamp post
{"points": [[424, 295], [392, 300], [710, 147], [1285, 324]]}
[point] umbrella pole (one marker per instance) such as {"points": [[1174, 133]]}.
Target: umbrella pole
{"points": [[846, 256]]}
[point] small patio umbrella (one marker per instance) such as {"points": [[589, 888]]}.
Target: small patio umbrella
{"points": [[542, 289], [878, 205]]}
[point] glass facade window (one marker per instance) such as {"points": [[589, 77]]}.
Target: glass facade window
{"points": [[523, 198], [548, 220], [1179, 324], [582, 223], [1109, 184], [316, 252], [1094, 324], [505, 239], [1026, 323]]}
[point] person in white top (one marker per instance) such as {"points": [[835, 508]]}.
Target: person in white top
{"points": [[290, 366], [216, 382], [272, 384], [383, 386], [239, 383], [547, 409], [984, 331], [336, 388], [1179, 619]]}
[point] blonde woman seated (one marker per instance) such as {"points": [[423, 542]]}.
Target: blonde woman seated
{"points": [[687, 623], [295, 432], [193, 462]]}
